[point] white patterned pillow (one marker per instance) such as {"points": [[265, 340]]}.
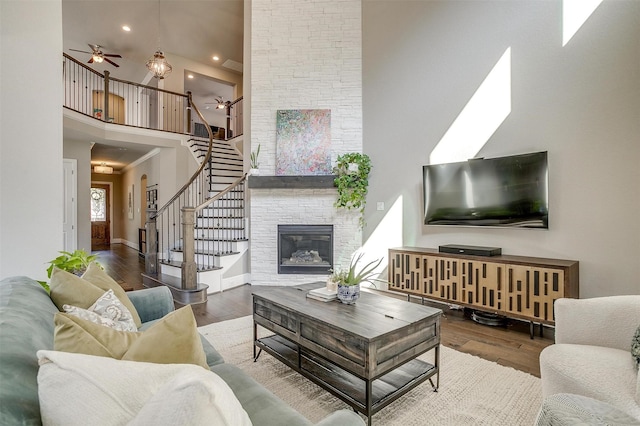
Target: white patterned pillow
{"points": [[107, 311]]}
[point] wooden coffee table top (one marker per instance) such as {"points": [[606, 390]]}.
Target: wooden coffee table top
{"points": [[371, 317]]}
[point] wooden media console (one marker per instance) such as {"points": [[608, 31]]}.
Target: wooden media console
{"points": [[512, 286]]}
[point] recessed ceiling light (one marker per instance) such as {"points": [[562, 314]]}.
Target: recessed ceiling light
{"points": [[216, 58], [126, 28], [190, 76]]}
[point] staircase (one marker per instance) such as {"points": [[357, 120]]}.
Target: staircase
{"points": [[201, 232]]}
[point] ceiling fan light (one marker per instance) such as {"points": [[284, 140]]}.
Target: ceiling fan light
{"points": [[158, 65], [97, 58]]}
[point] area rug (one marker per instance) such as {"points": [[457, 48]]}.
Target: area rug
{"points": [[473, 391]]}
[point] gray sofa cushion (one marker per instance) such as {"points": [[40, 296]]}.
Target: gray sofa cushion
{"points": [[26, 325], [263, 407]]}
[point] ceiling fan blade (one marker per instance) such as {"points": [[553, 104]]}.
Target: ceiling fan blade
{"points": [[111, 62], [83, 51], [90, 61], [112, 55]]}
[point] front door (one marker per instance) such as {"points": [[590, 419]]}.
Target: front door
{"points": [[100, 220]]}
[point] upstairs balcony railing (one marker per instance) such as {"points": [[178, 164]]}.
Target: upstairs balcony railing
{"points": [[131, 104]]}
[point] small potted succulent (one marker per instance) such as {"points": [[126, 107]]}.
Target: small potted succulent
{"points": [[349, 280], [253, 163]]}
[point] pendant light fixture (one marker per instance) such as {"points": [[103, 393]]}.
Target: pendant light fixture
{"points": [[103, 168], [158, 64]]}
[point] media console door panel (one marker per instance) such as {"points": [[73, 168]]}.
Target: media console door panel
{"points": [[531, 291], [412, 274], [520, 287], [470, 282]]}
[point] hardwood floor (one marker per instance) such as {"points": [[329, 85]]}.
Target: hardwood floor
{"points": [[508, 345]]}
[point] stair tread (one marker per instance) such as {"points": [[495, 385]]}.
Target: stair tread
{"points": [[199, 267], [209, 253], [221, 228], [172, 281], [227, 240]]}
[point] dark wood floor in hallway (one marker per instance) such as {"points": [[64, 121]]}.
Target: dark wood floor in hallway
{"points": [[508, 345]]}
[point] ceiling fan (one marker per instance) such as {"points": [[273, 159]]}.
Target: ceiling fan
{"points": [[98, 56], [220, 103]]}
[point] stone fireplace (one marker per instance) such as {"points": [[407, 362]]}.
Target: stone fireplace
{"points": [[274, 207], [287, 74], [305, 249]]}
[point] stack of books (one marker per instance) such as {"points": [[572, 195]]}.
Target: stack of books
{"points": [[322, 294]]}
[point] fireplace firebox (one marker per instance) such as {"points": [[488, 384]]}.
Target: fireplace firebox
{"points": [[305, 249]]}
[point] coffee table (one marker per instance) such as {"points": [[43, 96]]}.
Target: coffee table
{"points": [[365, 354]]}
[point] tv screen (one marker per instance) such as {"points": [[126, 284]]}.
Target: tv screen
{"points": [[503, 191]]}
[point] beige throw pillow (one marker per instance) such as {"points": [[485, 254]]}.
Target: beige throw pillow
{"points": [[69, 289], [174, 339], [98, 277]]}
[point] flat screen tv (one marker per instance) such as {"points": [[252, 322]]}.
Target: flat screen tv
{"points": [[508, 191]]}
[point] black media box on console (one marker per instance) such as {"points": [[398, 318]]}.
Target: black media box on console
{"points": [[470, 250]]}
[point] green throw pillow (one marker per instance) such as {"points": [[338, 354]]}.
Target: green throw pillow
{"points": [[173, 339], [635, 347]]}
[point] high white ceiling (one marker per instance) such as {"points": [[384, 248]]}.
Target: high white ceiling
{"points": [[193, 29]]}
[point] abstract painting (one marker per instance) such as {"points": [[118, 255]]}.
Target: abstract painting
{"points": [[303, 142]]}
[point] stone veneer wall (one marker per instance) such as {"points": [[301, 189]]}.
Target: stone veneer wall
{"points": [[304, 55]]}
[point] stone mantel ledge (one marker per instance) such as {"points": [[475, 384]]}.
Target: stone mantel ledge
{"points": [[291, 182]]}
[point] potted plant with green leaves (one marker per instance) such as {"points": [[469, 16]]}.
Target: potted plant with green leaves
{"points": [[253, 163], [76, 263], [352, 180], [349, 280]]}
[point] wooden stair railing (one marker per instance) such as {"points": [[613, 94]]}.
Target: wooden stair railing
{"points": [[173, 225]]}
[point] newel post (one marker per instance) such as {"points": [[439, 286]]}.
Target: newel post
{"points": [[105, 109], [189, 112], [151, 255], [189, 274]]}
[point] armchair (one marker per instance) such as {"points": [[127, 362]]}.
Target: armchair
{"points": [[591, 356]]}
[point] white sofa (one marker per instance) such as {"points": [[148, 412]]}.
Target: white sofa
{"points": [[592, 354]]}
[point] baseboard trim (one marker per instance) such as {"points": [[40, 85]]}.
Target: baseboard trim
{"points": [[125, 242], [235, 281]]}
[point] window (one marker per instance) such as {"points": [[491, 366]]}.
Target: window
{"points": [[98, 204]]}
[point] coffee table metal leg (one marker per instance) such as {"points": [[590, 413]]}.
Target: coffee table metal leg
{"points": [[255, 339], [368, 400], [437, 360]]}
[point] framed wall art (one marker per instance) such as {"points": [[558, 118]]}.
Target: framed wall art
{"points": [[303, 142]]}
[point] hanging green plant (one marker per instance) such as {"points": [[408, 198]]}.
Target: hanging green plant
{"points": [[352, 180]]}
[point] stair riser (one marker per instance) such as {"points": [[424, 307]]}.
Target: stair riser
{"points": [[233, 246], [201, 259]]}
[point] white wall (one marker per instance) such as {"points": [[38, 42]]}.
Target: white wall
{"points": [[81, 151], [30, 123], [304, 55], [170, 169], [423, 61]]}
